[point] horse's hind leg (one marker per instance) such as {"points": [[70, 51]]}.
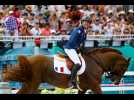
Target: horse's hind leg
{"points": [[29, 88], [24, 89]]}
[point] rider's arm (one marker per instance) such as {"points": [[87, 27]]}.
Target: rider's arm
{"points": [[74, 36]]}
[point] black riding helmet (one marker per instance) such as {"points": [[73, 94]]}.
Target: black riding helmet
{"points": [[86, 18]]}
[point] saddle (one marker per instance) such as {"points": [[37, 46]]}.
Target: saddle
{"points": [[68, 61], [63, 64]]}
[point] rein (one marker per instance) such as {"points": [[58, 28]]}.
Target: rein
{"points": [[97, 61], [108, 71]]}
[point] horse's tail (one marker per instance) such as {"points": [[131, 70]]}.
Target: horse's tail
{"points": [[25, 67], [21, 72]]}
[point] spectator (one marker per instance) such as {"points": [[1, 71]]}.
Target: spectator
{"points": [[25, 30], [53, 20], [59, 10], [36, 29], [1, 30], [5, 10], [46, 31], [126, 31], [121, 16], [110, 15], [130, 16], [31, 19], [131, 28], [43, 9], [101, 9], [24, 17], [11, 25], [1, 18], [41, 19], [96, 27], [93, 16], [85, 11], [16, 12], [109, 29], [28, 8], [58, 16]]}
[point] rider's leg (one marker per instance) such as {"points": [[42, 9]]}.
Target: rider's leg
{"points": [[72, 54], [74, 57], [74, 72]]}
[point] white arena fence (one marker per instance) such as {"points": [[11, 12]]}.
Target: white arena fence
{"points": [[90, 42], [66, 37]]}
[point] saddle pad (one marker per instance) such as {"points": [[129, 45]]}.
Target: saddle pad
{"points": [[60, 65]]}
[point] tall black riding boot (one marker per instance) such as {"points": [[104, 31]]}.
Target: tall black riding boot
{"points": [[72, 82]]}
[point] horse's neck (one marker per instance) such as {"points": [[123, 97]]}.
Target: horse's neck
{"points": [[102, 50], [99, 59], [110, 59]]}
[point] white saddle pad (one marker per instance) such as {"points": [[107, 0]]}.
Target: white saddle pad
{"points": [[60, 65]]}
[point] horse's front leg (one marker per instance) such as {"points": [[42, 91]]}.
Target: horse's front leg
{"points": [[96, 89], [29, 88], [82, 92]]}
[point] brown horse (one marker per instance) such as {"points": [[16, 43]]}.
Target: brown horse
{"points": [[32, 71]]}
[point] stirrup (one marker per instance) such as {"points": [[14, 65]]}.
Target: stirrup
{"points": [[72, 84], [77, 86]]}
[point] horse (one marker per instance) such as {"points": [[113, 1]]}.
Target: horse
{"points": [[33, 70]]}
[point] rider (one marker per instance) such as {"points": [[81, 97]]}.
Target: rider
{"points": [[77, 37]]}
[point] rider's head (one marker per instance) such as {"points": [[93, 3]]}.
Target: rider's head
{"points": [[86, 21]]}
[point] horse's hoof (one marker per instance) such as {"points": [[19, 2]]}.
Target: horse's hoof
{"points": [[71, 87]]}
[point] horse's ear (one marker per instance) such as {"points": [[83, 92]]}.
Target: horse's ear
{"points": [[23, 61]]}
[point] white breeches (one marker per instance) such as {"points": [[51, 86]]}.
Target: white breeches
{"points": [[73, 55]]}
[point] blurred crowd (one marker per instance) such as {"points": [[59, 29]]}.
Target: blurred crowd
{"points": [[47, 20]]}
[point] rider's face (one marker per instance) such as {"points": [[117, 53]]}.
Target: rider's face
{"points": [[86, 24]]}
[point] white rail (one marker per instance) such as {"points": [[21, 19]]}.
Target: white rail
{"points": [[66, 37], [129, 73], [120, 89]]}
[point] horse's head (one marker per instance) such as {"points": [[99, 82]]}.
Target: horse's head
{"points": [[118, 70]]}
